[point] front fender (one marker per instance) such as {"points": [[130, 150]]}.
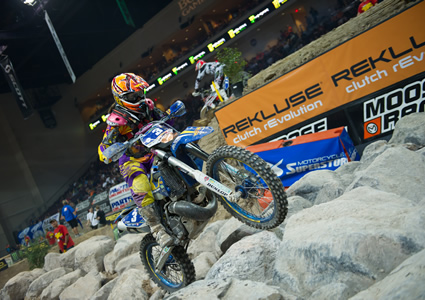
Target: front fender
{"points": [[190, 134]]}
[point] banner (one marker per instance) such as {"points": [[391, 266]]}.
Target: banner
{"points": [[22, 234], [377, 59], [15, 86], [83, 205], [100, 198], [3, 264], [293, 159], [46, 222], [37, 231], [120, 196]]}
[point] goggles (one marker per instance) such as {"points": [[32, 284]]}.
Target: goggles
{"points": [[132, 97]]}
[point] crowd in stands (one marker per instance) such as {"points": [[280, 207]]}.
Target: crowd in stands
{"points": [[98, 178]]}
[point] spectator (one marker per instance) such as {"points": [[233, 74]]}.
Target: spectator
{"points": [[70, 215], [365, 5], [100, 215], [78, 219], [92, 219], [65, 241], [50, 238]]}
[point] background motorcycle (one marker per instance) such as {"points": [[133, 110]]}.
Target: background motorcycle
{"points": [[187, 198], [211, 98]]}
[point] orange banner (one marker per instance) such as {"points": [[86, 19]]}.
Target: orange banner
{"points": [[378, 58]]}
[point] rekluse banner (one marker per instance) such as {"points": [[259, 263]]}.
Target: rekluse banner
{"points": [[379, 58]]}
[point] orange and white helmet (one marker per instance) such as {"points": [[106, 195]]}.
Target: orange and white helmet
{"points": [[128, 90], [199, 64]]}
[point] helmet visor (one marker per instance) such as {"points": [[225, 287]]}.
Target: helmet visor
{"points": [[134, 97]]}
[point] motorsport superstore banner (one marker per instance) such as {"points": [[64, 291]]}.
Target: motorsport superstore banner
{"points": [[292, 159], [381, 71]]}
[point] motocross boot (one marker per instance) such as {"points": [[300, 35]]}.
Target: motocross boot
{"points": [[152, 218]]}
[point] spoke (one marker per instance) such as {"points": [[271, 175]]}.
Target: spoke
{"points": [[258, 201]]}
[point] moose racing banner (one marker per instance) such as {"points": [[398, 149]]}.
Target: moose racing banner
{"points": [[366, 83], [15, 86]]}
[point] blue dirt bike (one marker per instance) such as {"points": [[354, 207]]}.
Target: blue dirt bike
{"points": [[187, 198]]}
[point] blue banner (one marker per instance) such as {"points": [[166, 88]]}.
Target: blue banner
{"points": [[293, 162]]}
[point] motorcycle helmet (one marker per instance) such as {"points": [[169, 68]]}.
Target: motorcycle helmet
{"points": [[128, 90], [199, 64]]}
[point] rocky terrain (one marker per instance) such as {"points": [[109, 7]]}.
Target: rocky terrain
{"points": [[353, 233]]}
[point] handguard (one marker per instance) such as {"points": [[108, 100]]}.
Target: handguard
{"points": [[114, 152]]}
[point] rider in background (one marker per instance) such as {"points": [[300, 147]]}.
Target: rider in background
{"points": [[213, 72], [130, 113]]}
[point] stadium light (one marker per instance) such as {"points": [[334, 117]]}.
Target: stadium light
{"points": [[30, 2]]}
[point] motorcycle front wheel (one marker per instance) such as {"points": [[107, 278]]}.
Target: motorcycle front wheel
{"points": [[178, 270], [263, 202]]}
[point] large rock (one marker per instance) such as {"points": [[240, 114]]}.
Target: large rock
{"points": [[105, 290], [84, 288], [230, 288], [203, 263], [404, 282], [404, 176], [17, 286], [39, 284], [248, 259], [356, 240], [206, 241], [132, 261], [318, 187], [126, 245], [52, 261], [130, 286], [231, 232], [53, 290], [410, 129], [89, 254]]}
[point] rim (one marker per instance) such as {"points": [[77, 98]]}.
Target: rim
{"points": [[171, 275], [256, 202]]}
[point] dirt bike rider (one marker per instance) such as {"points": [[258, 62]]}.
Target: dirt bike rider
{"points": [[215, 73], [131, 112]]}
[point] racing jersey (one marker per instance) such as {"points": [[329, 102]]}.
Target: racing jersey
{"points": [[215, 72], [60, 232]]}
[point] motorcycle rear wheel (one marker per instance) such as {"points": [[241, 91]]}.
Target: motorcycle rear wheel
{"points": [[178, 270], [263, 203]]}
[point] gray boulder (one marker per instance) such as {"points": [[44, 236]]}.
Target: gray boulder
{"points": [[17, 286], [404, 282], [84, 288], [126, 245], [51, 261], [404, 176], [132, 261], [249, 259], [410, 129], [39, 284], [53, 290], [130, 285], [230, 288], [356, 239], [89, 254]]}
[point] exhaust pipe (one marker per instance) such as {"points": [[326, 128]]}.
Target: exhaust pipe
{"points": [[193, 211]]}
